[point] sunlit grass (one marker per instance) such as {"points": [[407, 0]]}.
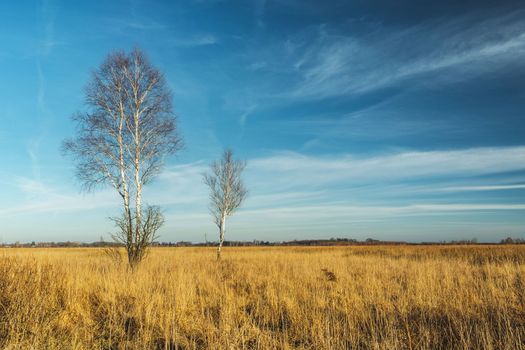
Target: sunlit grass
{"points": [[265, 298]]}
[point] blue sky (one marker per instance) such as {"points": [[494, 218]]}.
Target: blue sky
{"points": [[392, 120]]}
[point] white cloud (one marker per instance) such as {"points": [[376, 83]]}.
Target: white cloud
{"points": [[301, 170], [482, 188], [345, 212], [32, 188], [291, 192], [332, 63], [255, 66], [140, 23], [48, 201], [196, 40], [293, 178]]}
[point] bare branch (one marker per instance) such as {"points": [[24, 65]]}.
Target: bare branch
{"points": [[122, 139], [227, 190]]}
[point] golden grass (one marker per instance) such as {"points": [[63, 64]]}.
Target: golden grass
{"points": [[399, 297]]}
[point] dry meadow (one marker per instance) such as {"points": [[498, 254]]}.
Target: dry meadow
{"points": [[362, 297]]}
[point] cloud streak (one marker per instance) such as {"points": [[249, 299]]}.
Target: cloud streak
{"points": [[295, 193], [290, 168], [333, 62], [483, 188], [196, 40], [294, 179]]}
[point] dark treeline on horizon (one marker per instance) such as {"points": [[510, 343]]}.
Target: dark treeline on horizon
{"points": [[304, 242]]}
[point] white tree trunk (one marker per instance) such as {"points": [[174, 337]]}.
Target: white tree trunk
{"points": [[222, 228], [138, 183], [138, 201], [124, 190]]}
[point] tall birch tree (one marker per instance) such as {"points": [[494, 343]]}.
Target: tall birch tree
{"points": [[121, 140], [227, 191]]}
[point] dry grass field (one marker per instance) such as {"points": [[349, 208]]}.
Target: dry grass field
{"points": [[398, 297]]}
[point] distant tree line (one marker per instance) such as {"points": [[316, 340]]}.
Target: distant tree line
{"points": [[510, 240], [304, 242]]}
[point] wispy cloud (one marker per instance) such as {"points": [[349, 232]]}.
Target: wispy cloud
{"points": [[195, 40], [295, 179], [40, 197], [386, 120], [292, 192], [259, 13], [290, 168], [333, 62], [32, 188], [304, 218], [482, 188], [244, 116], [48, 41], [351, 212], [43, 113], [256, 65], [140, 24]]}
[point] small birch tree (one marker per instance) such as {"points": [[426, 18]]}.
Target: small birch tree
{"points": [[227, 191], [122, 139]]}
